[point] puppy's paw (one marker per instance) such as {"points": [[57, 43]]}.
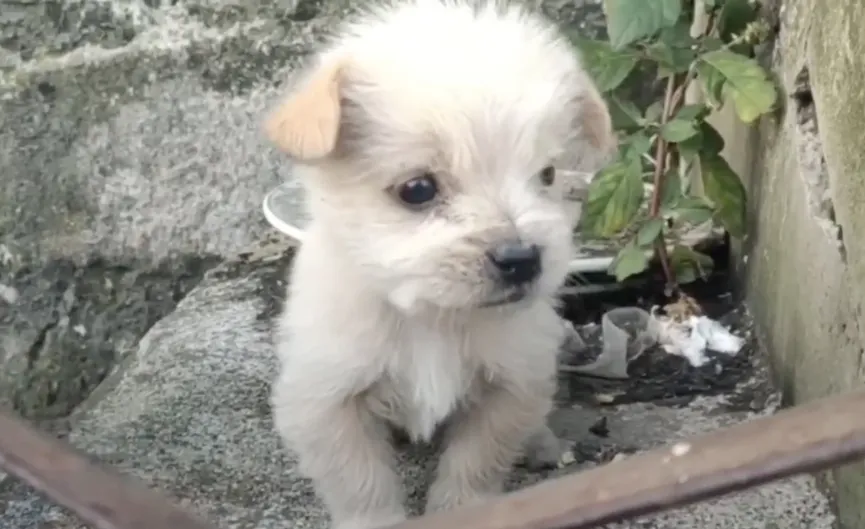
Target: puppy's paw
{"points": [[370, 521], [544, 450]]}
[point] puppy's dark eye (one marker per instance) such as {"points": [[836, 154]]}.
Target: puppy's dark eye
{"points": [[548, 175], [418, 191]]}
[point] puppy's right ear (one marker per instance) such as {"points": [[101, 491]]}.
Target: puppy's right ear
{"points": [[596, 141], [597, 123], [306, 125]]}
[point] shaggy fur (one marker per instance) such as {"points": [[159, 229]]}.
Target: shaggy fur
{"points": [[395, 316]]}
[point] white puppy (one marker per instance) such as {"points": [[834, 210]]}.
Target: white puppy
{"points": [[427, 135]]}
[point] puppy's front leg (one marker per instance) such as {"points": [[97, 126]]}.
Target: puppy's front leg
{"points": [[483, 443], [346, 452]]}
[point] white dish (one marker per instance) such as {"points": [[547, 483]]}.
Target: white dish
{"points": [[284, 209]]}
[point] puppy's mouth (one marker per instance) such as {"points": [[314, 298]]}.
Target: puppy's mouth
{"points": [[511, 296]]}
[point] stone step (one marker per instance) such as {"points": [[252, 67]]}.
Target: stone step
{"points": [[189, 413]]}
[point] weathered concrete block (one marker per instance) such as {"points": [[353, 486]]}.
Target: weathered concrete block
{"points": [[149, 149], [131, 160], [805, 258]]}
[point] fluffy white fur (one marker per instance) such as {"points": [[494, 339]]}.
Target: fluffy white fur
{"points": [[388, 322]]}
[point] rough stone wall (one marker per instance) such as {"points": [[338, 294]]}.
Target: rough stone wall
{"points": [[133, 127], [804, 261], [131, 160]]}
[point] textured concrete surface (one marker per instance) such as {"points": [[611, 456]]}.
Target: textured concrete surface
{"points": [[189, 414], [804, 262], [148, 149], [63, 328], [131, 162]]}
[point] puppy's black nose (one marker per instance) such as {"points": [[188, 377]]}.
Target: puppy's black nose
{"points": [[516, 263]]}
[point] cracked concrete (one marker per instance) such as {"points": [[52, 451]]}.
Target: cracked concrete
{"points": [[812, 161], [114, 122], [804, 268]]}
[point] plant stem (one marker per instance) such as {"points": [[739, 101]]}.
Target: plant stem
{"points": [[674, 96], [661, 166], [661, 149]]}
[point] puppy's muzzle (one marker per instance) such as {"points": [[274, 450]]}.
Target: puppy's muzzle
{"points": [[515, 263]]}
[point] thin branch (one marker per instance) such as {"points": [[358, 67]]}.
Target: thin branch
{"points": [[661, 166], [661, 149]]}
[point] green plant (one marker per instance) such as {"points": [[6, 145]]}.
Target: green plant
{"points": [[669, 143]]}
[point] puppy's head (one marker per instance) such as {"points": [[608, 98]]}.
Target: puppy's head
{"points": [[429, 137]]}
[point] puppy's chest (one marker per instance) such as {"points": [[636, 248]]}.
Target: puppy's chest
{"points": [[427, 380]]}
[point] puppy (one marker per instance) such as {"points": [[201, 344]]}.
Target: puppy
{"points": [[427, 135]]}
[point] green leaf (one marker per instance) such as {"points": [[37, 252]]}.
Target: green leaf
{"points": [[726, 192], [653, 112], [673, 60], [742, 80], [631, 20], [708, 44], [635, 146], [734, 17], [608, 67], [708, 141], [678, 130], [624, 114], [671, 192], [692, 112], [649, 232], [614, 199], [713, 142], [712, 82], [674, 50], [689, 265], [628, 262], [693, 210]]}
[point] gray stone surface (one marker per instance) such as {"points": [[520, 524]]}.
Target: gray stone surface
{"points": [[63, 328], [149, 149], [131, 161], [189, 414], [132, 129]]}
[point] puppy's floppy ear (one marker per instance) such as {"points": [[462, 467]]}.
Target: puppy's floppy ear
{"points": [[596, 123], [306, 125]]}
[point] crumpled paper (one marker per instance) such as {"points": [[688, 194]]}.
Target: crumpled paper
{"points": [[628, 331]]}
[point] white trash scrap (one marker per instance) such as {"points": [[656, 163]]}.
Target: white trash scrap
{"points": [[628, 331]]}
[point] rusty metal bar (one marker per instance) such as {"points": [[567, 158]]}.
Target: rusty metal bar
{"points": [[807, 438], [100, 497], [803, 439]]}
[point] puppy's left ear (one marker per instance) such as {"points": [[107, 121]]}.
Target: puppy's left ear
{"points": [[306, 125]]}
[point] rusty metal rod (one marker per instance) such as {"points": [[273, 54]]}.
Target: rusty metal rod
{"points": [[100, 497], [807, 438]]}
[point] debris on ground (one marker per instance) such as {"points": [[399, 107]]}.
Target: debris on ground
{"points": [[627, 332]]}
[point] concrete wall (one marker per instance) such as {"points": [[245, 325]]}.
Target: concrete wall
{"points": [[803, 263]]}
